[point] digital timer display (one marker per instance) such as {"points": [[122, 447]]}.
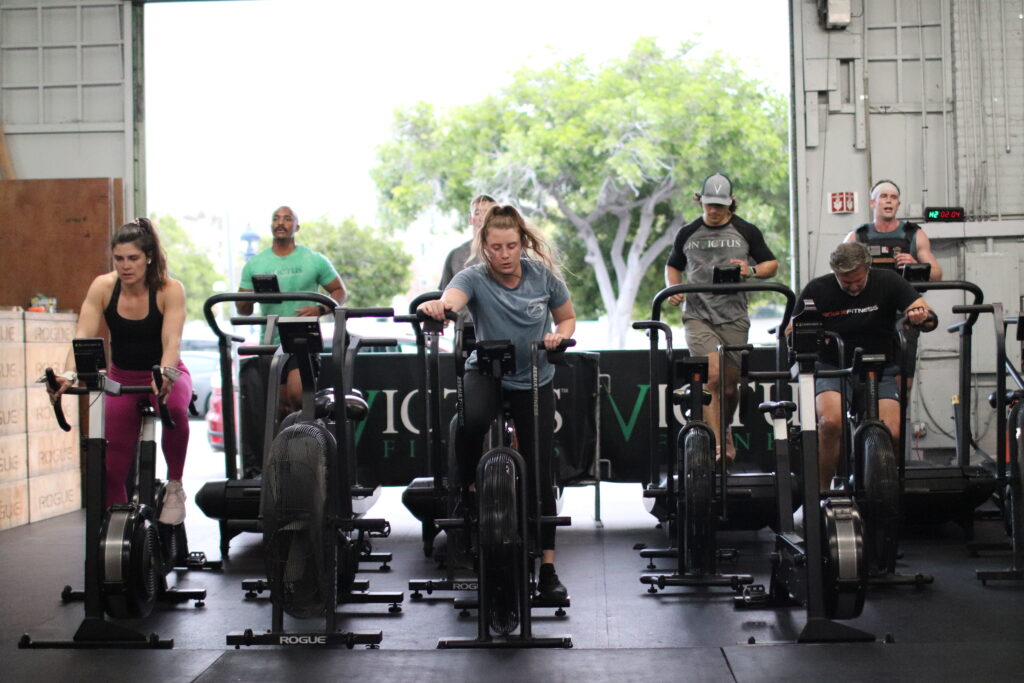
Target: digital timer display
{"points": [[938, 214]]}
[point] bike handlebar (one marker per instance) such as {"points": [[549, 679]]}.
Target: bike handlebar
{"points": [[262, 298]]}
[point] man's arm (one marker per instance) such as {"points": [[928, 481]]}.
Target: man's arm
{"points": [[245, 285], [917, 312], [767, 269], [447, 272], [244, 307], [925, 255], [673, 276]]}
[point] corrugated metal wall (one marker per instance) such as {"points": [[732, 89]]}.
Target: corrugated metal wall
{"points": [[66, 89], [929, 93]]}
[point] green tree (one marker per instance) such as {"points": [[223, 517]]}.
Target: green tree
{"points": [[609, 157], [373, 268], [193, 268]]}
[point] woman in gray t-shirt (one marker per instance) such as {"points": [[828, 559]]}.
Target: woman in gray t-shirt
{"points": [[516, 298]]}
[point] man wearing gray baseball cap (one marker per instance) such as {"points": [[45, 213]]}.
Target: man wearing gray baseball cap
{"points": [[718, 238]]}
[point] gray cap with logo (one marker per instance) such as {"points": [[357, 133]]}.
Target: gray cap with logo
{"points": [[716, 189]]}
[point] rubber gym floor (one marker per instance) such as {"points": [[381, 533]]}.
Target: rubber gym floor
{"points": [[953, 630]]}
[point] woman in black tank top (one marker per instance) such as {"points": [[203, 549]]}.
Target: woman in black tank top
{"points": [[145, 312]]}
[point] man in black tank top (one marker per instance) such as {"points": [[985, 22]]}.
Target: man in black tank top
{"points": [[892, 242]]}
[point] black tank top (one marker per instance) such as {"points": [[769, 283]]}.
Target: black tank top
{"points": [[135, 344]]}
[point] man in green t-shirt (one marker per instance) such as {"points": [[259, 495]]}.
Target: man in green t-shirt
{"points": [[298, 269]]}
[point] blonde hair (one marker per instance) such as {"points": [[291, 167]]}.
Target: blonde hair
{"points": [[535, 247]]}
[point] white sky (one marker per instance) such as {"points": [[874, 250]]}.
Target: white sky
{"points": [[250, 105]]}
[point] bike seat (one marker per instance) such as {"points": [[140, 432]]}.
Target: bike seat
{"points": [[681, 396], [356, 408], [772, 406], [1011, 396]]}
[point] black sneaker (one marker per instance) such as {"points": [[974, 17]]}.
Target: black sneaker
{"points": [[549, 588]]}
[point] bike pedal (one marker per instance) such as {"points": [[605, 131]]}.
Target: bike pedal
{"points": [[753, 594]]}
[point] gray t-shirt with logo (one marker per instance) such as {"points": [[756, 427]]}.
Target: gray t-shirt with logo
{"points": [[698, 248], [520, 314]]}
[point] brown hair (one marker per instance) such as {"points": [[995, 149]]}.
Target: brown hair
{"points": [[697, 196], [534, 245], [481, 198], [142, 234]]}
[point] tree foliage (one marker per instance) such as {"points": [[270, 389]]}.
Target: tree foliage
{"points": [[374, 269], [193, 268], [607, 157]]}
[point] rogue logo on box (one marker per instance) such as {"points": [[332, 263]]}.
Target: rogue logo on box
{"points": [[12, 510], [57, 499]]}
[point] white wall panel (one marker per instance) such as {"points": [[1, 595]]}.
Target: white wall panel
{"points": [[65, 89]]}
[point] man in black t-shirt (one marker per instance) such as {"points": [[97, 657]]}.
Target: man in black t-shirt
{"points": [[862, 305]]}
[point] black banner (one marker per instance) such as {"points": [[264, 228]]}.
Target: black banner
{"points": [[391, 442]]}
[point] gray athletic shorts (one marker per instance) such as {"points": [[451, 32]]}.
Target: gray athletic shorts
{"points": [[703, 338], [887, 387]]}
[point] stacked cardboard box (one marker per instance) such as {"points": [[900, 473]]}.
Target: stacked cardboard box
{"points": [[54, 460], [13, 430]]}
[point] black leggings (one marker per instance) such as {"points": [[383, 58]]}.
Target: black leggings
{"points": [[483, 401]]}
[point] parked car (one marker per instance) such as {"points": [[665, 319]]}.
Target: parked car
{"points": [[215, 418]]}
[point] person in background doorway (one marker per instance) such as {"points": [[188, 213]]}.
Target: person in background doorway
{"points": [[892, 242]]}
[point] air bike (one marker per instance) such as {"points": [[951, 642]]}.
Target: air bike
{"points": [[688, 489], [436, 497], [305, 498], [128, 553], [235, 501], [1010, 448], [947, 491], [822, 566], [502, 521]]}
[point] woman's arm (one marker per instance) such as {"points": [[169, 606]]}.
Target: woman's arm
{"points": [[170, 334], [565, 325], [451, 300]]}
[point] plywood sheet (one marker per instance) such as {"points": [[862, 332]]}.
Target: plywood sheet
{"points": [[61, 229]]}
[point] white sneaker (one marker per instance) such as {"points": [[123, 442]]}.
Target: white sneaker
{"points": [[173, 510]]}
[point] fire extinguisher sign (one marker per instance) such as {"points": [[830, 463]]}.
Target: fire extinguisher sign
{"points": [[842, 202]]}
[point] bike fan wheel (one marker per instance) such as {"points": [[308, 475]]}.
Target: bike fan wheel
{"points": [[130, 571], [501, 541], [695, 509], [845, 568], [881, 502]]}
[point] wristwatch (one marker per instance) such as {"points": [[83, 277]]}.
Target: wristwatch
{"points": [[753, 271]]}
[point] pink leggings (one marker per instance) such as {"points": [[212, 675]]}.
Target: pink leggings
{"points": [[124, 421]]}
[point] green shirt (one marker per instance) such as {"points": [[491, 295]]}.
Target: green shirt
{"points": [[303, 270]]}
